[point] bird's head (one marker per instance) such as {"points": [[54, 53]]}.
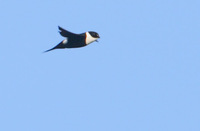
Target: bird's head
{"points": [[94, 34], [91, 37]]}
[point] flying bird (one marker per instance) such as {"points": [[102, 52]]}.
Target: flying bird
{"points": [[75, 40]]}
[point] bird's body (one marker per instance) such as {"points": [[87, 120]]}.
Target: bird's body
{"points": [[75, 40]]}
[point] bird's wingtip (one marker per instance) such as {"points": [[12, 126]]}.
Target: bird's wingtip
{"points": [[60, 28], [48, 50]]}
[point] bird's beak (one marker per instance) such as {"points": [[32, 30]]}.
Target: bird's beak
{"points": [[97, 40]]}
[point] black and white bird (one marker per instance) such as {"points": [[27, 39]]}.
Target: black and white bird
{"points": [[75, 40]]}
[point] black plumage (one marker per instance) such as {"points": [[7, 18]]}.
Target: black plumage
{"points": [[75, 40]]}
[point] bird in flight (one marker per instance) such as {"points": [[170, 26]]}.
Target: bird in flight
{"points": [[75, 40]]}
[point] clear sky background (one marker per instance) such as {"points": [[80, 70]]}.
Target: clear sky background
{"points": [[143, 75]]}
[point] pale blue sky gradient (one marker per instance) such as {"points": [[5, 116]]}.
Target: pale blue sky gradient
{"points": [[143, 75]]}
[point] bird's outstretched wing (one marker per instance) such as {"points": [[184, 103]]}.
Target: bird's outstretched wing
{"points": [[59, 46], [66, 33], [72, 41]]}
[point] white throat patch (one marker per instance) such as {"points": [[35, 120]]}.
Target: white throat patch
{"points": [[89, 39]]}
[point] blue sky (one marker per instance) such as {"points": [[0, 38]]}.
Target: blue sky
{"points": [[143, 75]]}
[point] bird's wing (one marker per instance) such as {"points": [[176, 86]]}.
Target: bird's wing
{"points": [[66, 33], [59, 46]]}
